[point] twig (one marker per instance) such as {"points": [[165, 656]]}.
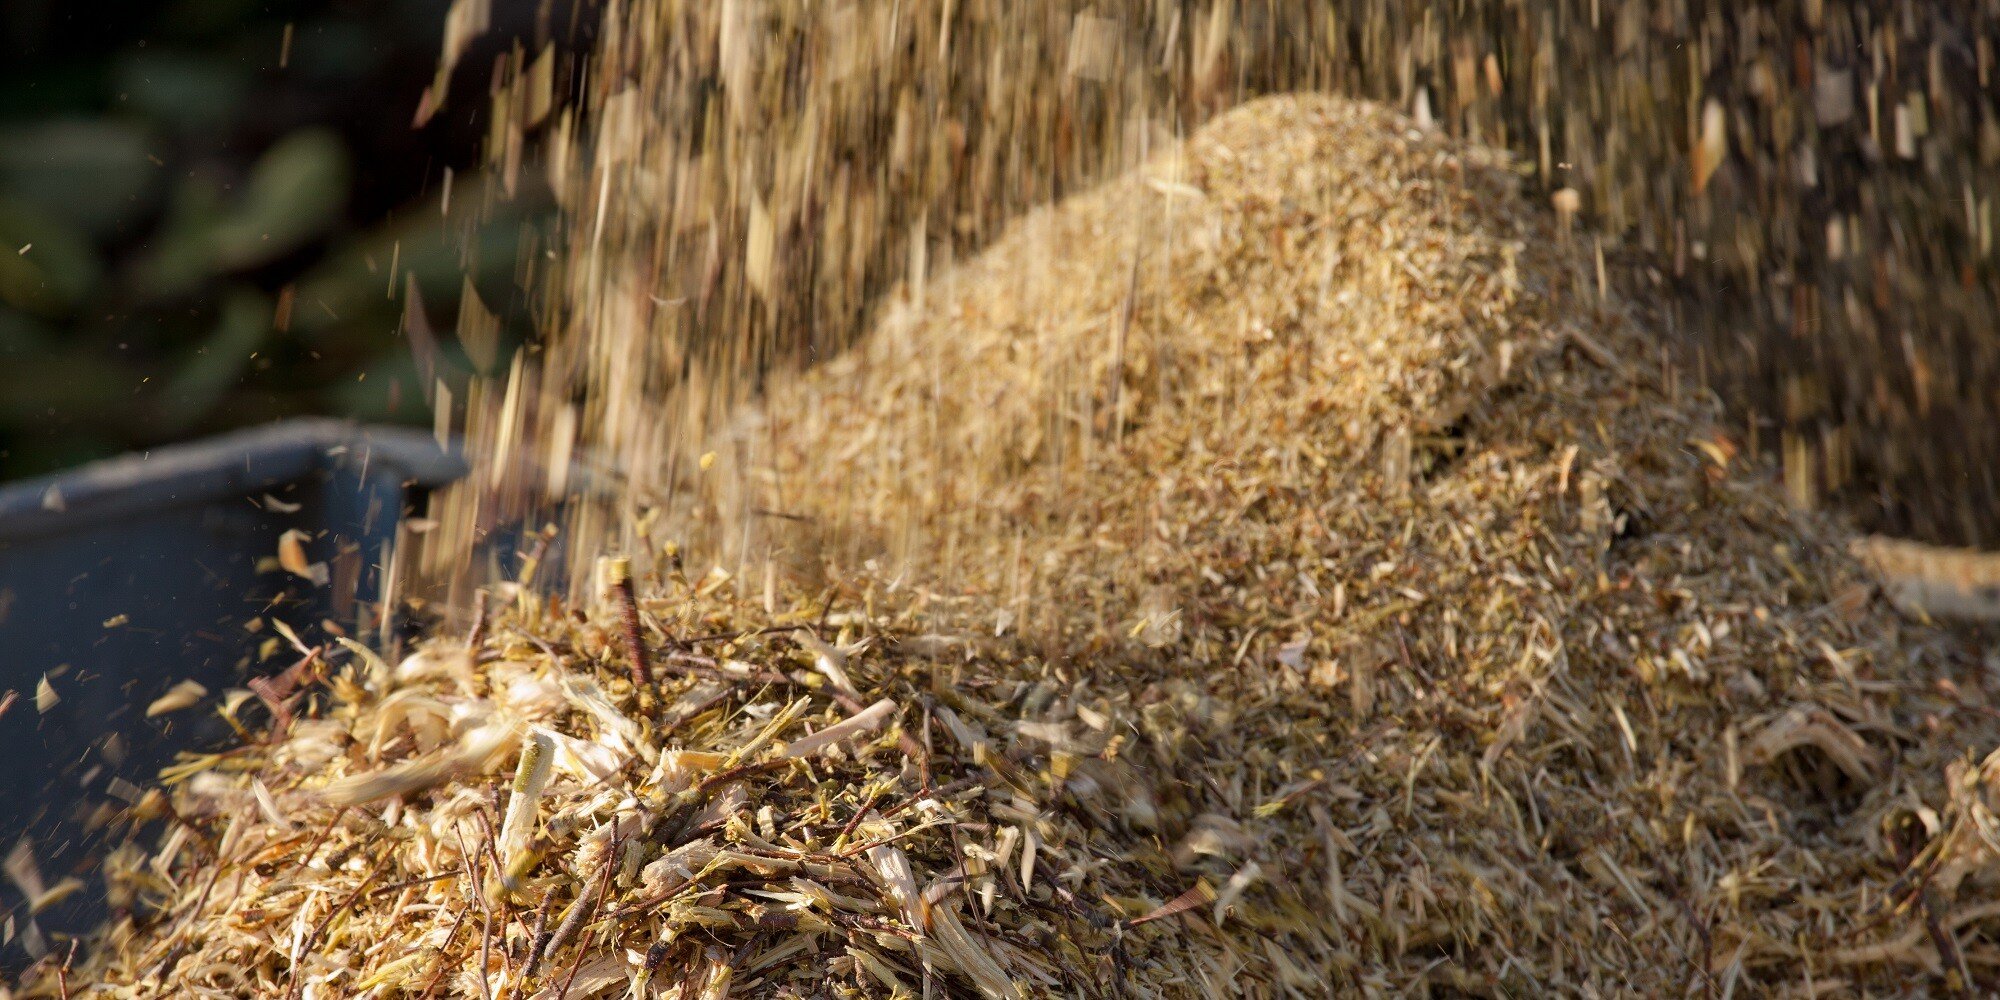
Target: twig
{"points": [[312, 940], [449, 937], [499, 878], [1118, 357], [539, 643], [924, 762], [693, 712], [863, 848], [855, 820], [62, 971], [702, 666], [580, 913], [904, 741], [474, 638], [486, 912], [628, 619], [826, 607], [312, 848], [921, 794], [492, 852], [409, 883], [1701, 930], [633, 910], [603, 885], [532, 560], [1707, 946], [1946, 945], [202, 900], [538, 940], [201, 838], [275, 691], [695, 640], [1902, 893], [738, 773]]}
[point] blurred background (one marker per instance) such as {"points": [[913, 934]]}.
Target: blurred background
{"points": [[211, 209]]}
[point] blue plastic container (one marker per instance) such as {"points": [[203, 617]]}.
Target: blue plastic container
{"points": [[122, 578]]}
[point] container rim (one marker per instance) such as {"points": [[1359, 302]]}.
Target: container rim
{"points": [[231, 464]]}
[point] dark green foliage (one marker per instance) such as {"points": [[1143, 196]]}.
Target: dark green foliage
{"points": [[166, 186]]}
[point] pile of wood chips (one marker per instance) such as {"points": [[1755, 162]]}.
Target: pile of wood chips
{"points": [[1281, 570]]}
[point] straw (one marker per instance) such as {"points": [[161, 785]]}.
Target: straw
{"points": [[1380, 638]]}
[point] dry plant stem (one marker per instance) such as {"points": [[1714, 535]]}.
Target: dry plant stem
{"points": [[930, 747], [1117, 385], [645, 905], [1698, 966], [628, 620], [702, 666], [312, 940], [696, 640], [855, 820], [904, 741], [635, 909], [580, 914], [62, 971], [1947, 946], [603, 882], [531, 561], [207, 887], [476, 637], [472, 862], [275, 692], [538, 940], [485, 949], [539, 643], [305, 858], [411, 883], [444, 950], [201, 837], [740, 772], [493, 853], [695, 711], [1910, 889]]}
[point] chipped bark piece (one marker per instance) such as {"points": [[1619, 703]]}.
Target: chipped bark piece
{"points": [[184, 694]]}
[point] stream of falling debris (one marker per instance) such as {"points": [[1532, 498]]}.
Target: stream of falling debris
{"points": [[745, 183], [1333, 491]]}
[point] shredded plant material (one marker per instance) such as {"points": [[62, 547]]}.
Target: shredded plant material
{"points": [[1815, 182], [1280, 571]]}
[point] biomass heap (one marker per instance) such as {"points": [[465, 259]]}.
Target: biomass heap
{"points": [[1285, 565]]}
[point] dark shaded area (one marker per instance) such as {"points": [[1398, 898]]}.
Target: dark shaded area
{"points": [[123, 579], [208, 209]]}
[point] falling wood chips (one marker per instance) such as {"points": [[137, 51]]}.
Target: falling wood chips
{"points": [[1480, 678]]}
